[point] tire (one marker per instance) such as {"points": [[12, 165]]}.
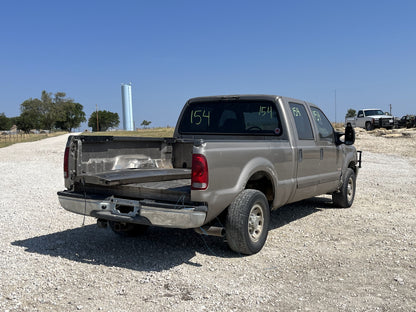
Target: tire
{"points": [[247, 222], [368, 126], [345, 196], [127, 229]]}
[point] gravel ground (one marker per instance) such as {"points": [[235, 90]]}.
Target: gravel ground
{"points": [[316, 258]]}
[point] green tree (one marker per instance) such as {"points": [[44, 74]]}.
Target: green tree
{"points": [[351, 113], [106, 120], [51, 111], [70, 115], [145, 123], [5, 123], [13, 120], [31, 116], [27, 121]]}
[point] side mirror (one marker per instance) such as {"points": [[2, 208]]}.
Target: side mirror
{"points": [[349, 136]]}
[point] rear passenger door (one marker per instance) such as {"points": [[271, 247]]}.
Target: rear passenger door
{"points": [[330, 154], [308, 153]]}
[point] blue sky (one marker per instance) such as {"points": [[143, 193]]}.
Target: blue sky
{"points": [[173, 50]]}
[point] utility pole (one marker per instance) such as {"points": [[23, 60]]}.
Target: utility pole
{"points": [[96, 113], [335, 105], [390, 110]]}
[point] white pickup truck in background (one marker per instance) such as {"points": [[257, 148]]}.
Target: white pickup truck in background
{"points": [[370, 119]]}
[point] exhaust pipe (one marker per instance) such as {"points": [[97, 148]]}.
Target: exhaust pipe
{"points": [[102, 223], [211, 231]]}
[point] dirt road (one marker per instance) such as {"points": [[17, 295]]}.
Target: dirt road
{"points": [[316, 258]]}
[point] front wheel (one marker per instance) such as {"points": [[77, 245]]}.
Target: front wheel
{"points": [[345, 196], [247, 222], [368, 126]]}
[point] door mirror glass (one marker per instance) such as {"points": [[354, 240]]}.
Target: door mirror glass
{"points": [[349, 135]]}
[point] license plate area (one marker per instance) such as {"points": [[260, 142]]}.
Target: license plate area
{"points": [[122, 207]]}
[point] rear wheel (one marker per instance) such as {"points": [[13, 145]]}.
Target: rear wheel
{"points": [[345, 196], [247, 222], [127, 229]]}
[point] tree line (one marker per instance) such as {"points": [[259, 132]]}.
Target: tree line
{"points": [[57, 112]]}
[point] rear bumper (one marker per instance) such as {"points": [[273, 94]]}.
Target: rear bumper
{"points": [[133, 211]]}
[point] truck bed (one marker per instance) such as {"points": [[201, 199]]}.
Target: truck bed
{"points": [[132, 167]]}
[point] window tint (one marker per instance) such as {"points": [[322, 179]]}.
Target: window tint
{"points": [[374, 112], [326, 132], [231, 117], [302, 122]]}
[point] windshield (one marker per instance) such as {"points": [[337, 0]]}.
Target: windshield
{"points": [[374, 112], [231, 117]]}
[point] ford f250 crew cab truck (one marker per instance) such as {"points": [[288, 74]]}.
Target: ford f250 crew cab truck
{"points": [[231, 160], [370, 119]]}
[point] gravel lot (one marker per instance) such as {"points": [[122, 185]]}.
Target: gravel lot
{"points": [[316, 258]]}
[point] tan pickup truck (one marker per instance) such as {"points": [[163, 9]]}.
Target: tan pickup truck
{"points": [[231, 160]]}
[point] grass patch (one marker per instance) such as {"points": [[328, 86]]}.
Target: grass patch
{"points": [[10, 139], [151, 133]]}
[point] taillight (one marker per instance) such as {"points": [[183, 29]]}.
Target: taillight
{"points": [[66, 158], [199, 172]]}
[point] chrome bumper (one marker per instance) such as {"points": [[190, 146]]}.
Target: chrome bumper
{"points": [[132, 211]]}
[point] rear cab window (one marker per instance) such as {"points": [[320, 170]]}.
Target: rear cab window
{"points": [[236, 117]]}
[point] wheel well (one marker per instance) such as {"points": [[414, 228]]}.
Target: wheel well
{"points": [[352, 166], [261, 181]]}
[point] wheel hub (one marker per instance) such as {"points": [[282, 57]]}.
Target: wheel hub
{"points": [[255, 222], [350, 189]]}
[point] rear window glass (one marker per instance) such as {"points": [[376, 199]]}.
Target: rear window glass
{"points": [[231, 117]]}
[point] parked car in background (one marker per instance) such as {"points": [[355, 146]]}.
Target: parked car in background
{"points": [[370, 119], [407, 121]]}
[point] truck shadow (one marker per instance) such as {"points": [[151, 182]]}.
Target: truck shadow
{"points": [[292, 212], [157, 250]]}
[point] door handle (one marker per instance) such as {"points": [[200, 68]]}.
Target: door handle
{"points": [[322, 153], [300, 155]]}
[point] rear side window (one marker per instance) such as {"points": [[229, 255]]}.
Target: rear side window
{"points": [[302, 122], [231, 117]]}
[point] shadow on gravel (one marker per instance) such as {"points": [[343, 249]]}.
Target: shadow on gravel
{"points": [[157, 250], [292, 212]]}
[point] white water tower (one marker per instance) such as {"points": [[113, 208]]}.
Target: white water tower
{"points": [[127, 103]]}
